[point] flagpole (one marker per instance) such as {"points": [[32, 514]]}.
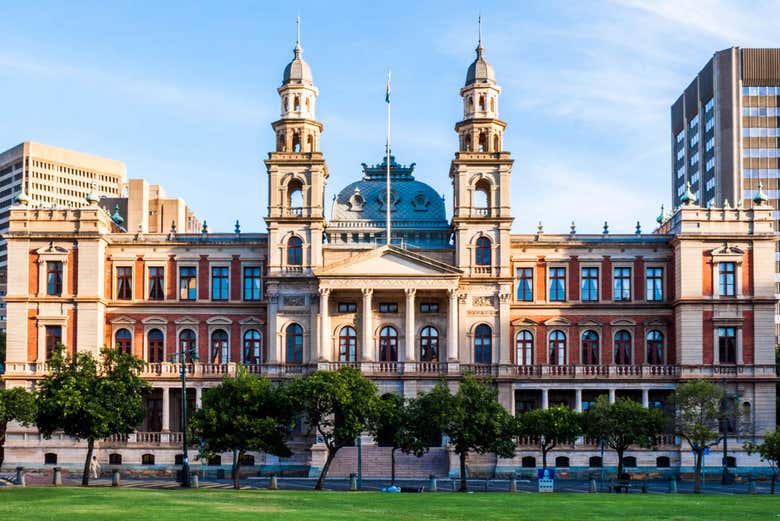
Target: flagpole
{"points": [[387, 197]]}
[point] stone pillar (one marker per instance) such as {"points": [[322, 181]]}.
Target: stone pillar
{"points": [[368, 333], [452, 326], [545, 399], [612, 396], [273, 329], [166, 409], [578, 400], [198, 396], [646, 398], [324, 349], [409, 344], [504, 342]]}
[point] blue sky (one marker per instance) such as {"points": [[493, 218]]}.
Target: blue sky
{"points": [[184, 93]]}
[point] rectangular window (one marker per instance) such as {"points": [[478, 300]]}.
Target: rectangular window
{"points": [[654, 284], [347, 307], [156, 283], [253, 283], [188, 283], [525, 284], [727, 277], [54, 278], [53, 340], [621, 282], [124, 283], [558, 284], [219, 283], [590, 284], [429, 307], [388, 307], [727, 345]]}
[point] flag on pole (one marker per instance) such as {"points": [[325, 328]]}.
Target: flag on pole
{"points": [[387, 94]]}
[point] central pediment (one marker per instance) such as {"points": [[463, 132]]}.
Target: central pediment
{"points": [[388, 261]]}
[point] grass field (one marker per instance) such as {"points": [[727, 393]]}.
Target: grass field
{"points": [[74, 504]]}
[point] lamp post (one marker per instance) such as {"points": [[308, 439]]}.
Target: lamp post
{"points": [[728, 406], [182, 355]]}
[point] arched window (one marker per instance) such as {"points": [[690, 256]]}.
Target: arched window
{"points": [[590, 348], [294, 251], [296, 104], [114, 459], [123, 341], [187, 342], [347, 344], [294, 341], [467, 143], [629, 461], [285, 104], [483, 344], [155, 346], [524, 345], [50, 458], [663, 462], [471, 102], [622, 347], [296, 142], [147, 459], [429, 344], [562, 462], [528, 462], [253, 347], [281, 143], [482, 195], [483, 252], [594, 461], [483, 142], [388, 344], [220, 349], [655, 347], [294, 194], [482, 102], [557, 348]]}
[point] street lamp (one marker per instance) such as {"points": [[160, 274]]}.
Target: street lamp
{"points": [[182, 355], [728, 408]]}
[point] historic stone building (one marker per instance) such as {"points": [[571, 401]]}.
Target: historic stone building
{"points": [[554, 319]]}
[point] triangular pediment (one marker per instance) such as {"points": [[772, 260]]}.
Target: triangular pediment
{"points": [[388, 261]]}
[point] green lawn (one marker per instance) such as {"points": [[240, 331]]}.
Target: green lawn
{"points": [[75, 504]]}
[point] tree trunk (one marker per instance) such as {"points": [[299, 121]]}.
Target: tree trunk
{"points": [[620, 463], [463, 483], [774, 479], [392, 465], [697, 477], [237, 469], [3, 426], [544, 457], [324, 473], [85, 475]]}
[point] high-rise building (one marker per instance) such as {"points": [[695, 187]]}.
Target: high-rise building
{"points": [[726, 136], [51, 176]]}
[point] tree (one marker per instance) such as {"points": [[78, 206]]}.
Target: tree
{"points": [[16, 404], [622, 424], [400, 424], [697, 418], [242, 414], [91, 399], [551, 427], [338, 405], [769, 451], [2, 351], [472, 419]]}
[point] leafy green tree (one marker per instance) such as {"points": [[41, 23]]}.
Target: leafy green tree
{"points": [[91, 399], [769, 451], [551, 427], [242, 414], [472, 419], [2, 350], [401, 424], [16, 404], [697, 418], [622, 424], [338, 406]]}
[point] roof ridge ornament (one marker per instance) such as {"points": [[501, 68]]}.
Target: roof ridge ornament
{"points": [[760, 198], [688, 198]]}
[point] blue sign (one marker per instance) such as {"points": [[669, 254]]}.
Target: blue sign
{"points": [[706, 451], [545, 473]]}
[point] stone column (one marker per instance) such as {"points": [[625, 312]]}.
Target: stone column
{"points": [[504, 343], [166, 409], [198, 395], [646, 398], [273, 329], [409, 344], [612, 396], [545, 399], [368, 334], [324, 350], [452, 326], [578, 400]]}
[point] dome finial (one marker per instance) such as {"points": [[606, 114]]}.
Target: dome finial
{"points": [[479, 22], [298, 47], [688, 198], [760, 198]]}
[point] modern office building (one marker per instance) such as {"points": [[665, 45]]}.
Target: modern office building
{"points": [[51, 176], [725, 133]]}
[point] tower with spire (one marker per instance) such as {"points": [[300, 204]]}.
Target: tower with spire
{"points": [[296, 175]]}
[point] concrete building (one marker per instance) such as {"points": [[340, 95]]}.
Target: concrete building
{"points": [[554, 319], [51, 176], [725, 133]]}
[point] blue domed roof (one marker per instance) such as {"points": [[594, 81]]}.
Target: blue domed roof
{"points": [[417, 210]]}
